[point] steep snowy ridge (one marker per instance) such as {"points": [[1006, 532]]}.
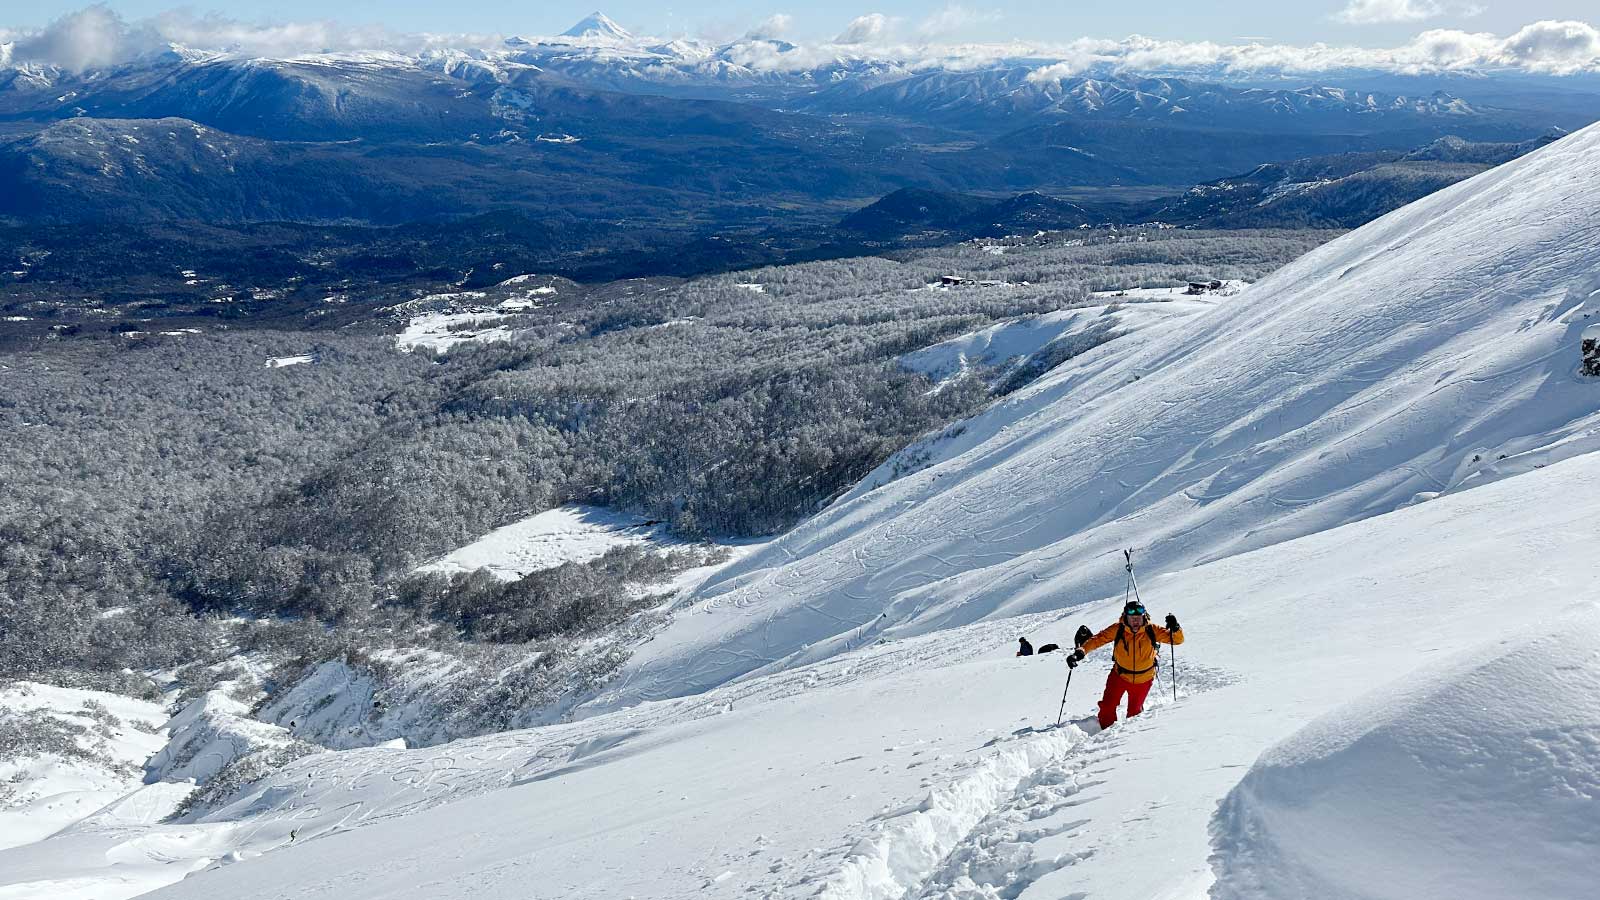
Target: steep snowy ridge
{"points": [[1434, 349]]}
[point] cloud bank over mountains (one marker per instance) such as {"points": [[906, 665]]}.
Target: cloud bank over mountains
{"points": [[1381, 12], [97, 37]]}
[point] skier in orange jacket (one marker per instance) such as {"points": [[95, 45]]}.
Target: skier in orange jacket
{"points": [[1135, 640]]}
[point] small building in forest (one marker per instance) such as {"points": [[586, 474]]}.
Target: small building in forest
{"points": [[1201, 287]]}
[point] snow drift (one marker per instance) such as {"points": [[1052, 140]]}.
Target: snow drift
{"points": [[1481, 782], [1434, 349]]}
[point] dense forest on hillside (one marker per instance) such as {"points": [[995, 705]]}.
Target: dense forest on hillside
{"points": [[159, 488]]}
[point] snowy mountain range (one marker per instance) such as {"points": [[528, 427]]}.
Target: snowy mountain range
{"points": [[597, 123]]}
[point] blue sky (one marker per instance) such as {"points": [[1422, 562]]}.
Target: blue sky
{"points": [[1286, 21]]}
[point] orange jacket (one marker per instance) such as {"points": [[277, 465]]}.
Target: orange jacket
{"points": [[1135, 656]]}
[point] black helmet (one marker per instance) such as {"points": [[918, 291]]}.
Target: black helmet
{"points": [[1134, 608]]}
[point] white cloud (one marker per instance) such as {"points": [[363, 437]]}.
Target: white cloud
{"points": [[871, 28], [1379, 12], [953, 19], [1372, 12], [98, 37], [280, 39], [86, 39], [773, 27], [1558, 47], [1078, 61]]}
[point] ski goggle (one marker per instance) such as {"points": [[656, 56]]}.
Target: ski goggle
{"points": [[1135, 611]]}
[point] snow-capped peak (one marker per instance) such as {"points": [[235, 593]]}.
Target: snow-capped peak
{"points": [[600, 26]]}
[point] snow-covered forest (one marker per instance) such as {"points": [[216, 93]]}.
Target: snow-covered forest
{"points": [[179, 497]]}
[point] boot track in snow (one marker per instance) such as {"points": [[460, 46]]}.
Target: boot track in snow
{"points": [[984, 833]]}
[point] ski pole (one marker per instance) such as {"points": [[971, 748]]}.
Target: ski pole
{"points": [[1063, 710], [1174, 649]]}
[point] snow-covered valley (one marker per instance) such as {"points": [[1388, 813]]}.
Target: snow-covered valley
{"points": [[1368, 485]]}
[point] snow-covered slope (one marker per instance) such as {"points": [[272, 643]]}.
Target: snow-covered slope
{"points": [[1434, 349], [66, 752], [1494, 759], [1009, 346], [913, 768], [544, 540], [442, 331]]}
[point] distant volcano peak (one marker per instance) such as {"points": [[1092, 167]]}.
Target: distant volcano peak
{"points": [[598, 25]]}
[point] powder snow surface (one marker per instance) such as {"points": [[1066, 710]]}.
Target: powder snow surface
{"points": [[1482, 781], [48, 791]]}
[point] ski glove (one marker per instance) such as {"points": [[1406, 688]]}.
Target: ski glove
{"points": [[1172, 623], [1073, 657]]}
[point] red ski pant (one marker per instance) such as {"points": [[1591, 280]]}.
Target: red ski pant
{"points": [[1116, 686]]}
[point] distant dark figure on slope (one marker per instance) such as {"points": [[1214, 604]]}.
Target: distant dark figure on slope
{"points": [[1027, 649], [1135, 655]]}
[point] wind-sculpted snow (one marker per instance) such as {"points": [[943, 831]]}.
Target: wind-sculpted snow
{"points": [[1432, 350], [1480, 782]]}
